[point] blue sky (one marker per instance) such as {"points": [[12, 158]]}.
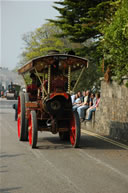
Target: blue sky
{"points": [[17, 18]]}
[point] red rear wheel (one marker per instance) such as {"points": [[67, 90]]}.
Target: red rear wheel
{"points": [[32, 133], [30, 130], [21, 117], [26, 95], [75, 130]]}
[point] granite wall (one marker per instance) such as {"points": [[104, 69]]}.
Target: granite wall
{"points": [[111, 118]]}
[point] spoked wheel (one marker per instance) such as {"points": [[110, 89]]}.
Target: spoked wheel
{"points": [[33, 134], [21, 117], [26, 120], [75, 130]]}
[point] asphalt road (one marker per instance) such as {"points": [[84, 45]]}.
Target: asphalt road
{"points": [[55, 167]]}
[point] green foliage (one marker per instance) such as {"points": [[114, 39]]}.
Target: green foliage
{"points": [[27, 78], [90, 78], [40, 41], [80, 24], [102, 14], [105, 22], [74, 19], [115, 42], [126, 84]]}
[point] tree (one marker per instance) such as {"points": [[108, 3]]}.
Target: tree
{"points": [[102, 21], [43, 39], [79, 25], [115, 42], [76, 19]]}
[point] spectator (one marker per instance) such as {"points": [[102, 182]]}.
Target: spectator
{"points": [[73, 98], [93, 108], [91, 103], [83, 95], [92, 100], [80, 96], [83, 106], [77, 102]]}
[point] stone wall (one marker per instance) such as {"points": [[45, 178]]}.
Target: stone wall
{"points": [[111, 118]]}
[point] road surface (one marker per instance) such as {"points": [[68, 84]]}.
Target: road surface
{"points": [[55, 167]]}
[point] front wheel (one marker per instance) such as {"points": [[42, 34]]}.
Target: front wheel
{"points": [[75, 130], [33, 129]]}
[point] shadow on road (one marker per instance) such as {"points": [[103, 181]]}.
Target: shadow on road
{"points": [[4, 171], [4, 155], [86, 142], [55, 143], [90, 142], [3, 166], [9, 190]]}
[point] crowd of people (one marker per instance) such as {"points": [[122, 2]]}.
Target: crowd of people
{"points": [[85, 104]]}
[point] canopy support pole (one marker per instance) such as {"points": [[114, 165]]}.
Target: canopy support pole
{"points": [[49, 78], [69, 78], [78, 78], [41, 82]]}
